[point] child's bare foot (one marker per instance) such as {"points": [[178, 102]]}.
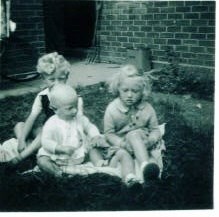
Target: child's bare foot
{"points": [[58, 174], [131, 180]]}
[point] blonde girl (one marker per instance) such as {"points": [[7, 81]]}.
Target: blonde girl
{"points": [[130, 122], [54, 69]]}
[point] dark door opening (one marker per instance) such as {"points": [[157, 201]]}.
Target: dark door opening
{"points": [[69, 26]]}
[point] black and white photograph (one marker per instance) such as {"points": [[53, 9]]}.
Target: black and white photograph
{"points": [[107, 105]]}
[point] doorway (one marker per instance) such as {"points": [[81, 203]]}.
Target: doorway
{"points": [[69, 26]]}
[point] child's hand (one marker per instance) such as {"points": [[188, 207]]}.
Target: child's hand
{"points": [[21, 146], [69, 150], [151, 142], [122, 144], [16, 160], [99, 141], [112, 150]]}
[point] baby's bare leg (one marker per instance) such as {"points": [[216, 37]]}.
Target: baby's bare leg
{"points": [[49, 166], [95, 157]]}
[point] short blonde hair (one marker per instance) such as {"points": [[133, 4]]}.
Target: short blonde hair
{"points": [[61, 94], [129, 71], [52, 62]]}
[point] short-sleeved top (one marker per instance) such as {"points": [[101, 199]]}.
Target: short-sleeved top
{"points": [[75, 133], [119, 119], [41, 103]]}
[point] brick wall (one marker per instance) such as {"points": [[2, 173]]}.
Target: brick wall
{"points": [[186, 27], [27, 42]]}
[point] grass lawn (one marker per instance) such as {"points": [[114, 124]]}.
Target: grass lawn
{"points": [[187, 180]]}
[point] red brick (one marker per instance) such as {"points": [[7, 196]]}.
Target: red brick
{"points": [[154, 10], [160, 41], [207, 16], [168, 22], [174, 29], [198, 36], [174, 41], [188, 55], [127, 34], [197, 49], [182, 48], [205, 56], [139, 34], [207, 43], [192, 15], [183, 9], [190, 29], [210, 63], [199, 8], [211, 36], [190, 42], [122, 39], [175, 16], [167, 10], [192, 3], [166, 35], [199, 22], [206, 29], [160, 4], [176, 3], [147, 17], [134, 39], [153, 22], [182, 35], [159, 28], [116, 33], [160, 16]]}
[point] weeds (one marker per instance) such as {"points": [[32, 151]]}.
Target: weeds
{"points": [[173, 78]]}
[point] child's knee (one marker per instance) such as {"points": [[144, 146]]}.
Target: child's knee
{"points": [[122, 153], [133, 134], [95, 156]]}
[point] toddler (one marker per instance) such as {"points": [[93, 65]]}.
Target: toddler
{"points": [[130, 121], [68, 138], [54, 69]]}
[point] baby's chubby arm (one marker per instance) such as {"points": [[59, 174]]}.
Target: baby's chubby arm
{"points": [[53, 147], [90, 129], [95, 138]]}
